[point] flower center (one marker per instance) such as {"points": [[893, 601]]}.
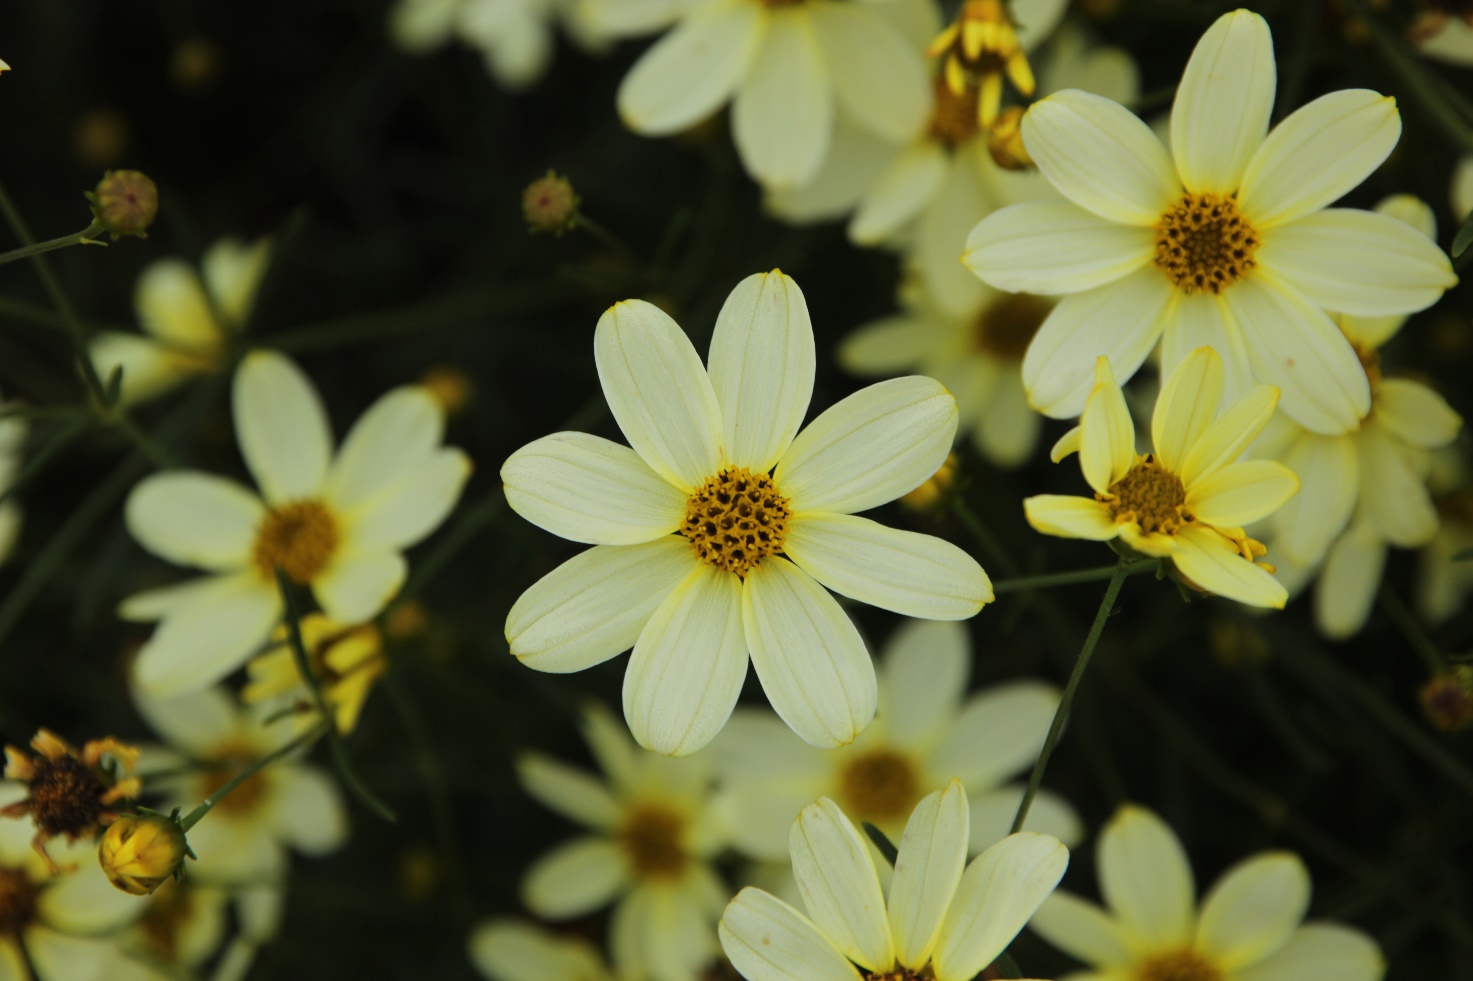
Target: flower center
{"points": [[735, 519], [244, 799], [1149, 495], [652, 840], [954, 118], [1182, 965], [880, 786], [899, 974], [1203, 243], [165, 918], [17, 900], [65, 796], [298, 538], [1006, 328]]}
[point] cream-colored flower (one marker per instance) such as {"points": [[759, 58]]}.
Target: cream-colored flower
{"points": [[942, 916], [1188, 501], [186, 924], [346, 660], [514, 950], [515, 37], [1447, 37], [13, 432], [1248, 928], [1226, 241], [652, 836], [336, 524], [790, 68], [1443, 580], [712, 535], [188, 316], [923, 736]]}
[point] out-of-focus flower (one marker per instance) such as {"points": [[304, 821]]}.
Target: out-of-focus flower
{"points": [[939, 488], [712, 535], [71, 793], [1445, 37], [943, 916], [1188, 501], [1444, 580], [923, 736], [514, 36], [981, 46], [125, 202], [1447, 698], [1248, 925], [449, 386], [13, 432], [337, 524], [188, 317], [140, 852], [1226, 241], [652, 837], [514, 950], [185, 924], [346, 660], [549, 204]]}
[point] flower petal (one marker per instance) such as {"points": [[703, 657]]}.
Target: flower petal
{"points": [[892, 344], [658, 392], [588, 489], [1392, 491], [195, 722], [688, 665], [82, 900], [1050, 814], [1101, 156], [1323, 150], [840, 887], [1066, 516], [307, 810], [1320, 952], [1082, 930], [510, 950], [281, 426], [1007, 429], [1293, 345], [1201, 320], [576, 878], [768, 940], [1146, 879], [232, 272], [782, 120], [404, 513], [686, 75], [1186, 406], [358, 585], [171, 304], [195, 519], [1328, 485], [595, 605], [998, 893], [929, 865], [899, 195], [879, 80], [870, 448], [1214, 563], [1223, 103], [1050, 247], [1242, 493], [856, 160], [1253, 910], [1229, 435], [387, 443], [1358, 262], [201, 643], [1011, 719], [808, 655], [1415, 414], [922, 677], [761, 367], [1120, 321], [905, 572], [574, 793], [1106, 432], [57, 955], [149, 368], [1348, 581]]}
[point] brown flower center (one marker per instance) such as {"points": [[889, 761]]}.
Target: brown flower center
{"points": [[1006, 328], [954, 118], [652, 839], [17, 900], [1149, 495], [881, 786], [900, 974], [164, 919], [1183, 965], [299, 538], [66, 796], [244, 799], [1203, 243], [735, 519]]}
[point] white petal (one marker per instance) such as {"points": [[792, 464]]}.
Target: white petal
{"points": [[1253, 910], [856, 160], [588, 489], [940, 236], [1050, 247], [1080, 929], [359, 584], [1321, 952], [922, 676], [195, 723], [201, 643], [897, 196], [879, 79], [1242, 493], [892, 344], [691, 71], [783, 117], [808, 655], [1007, 430], [1348, 581], [594, 605], [1223, 103], [1328, 485], [1067, 516], [1100, 155], [575, 878], [195, 519], [1120, 321], [768, 940], [61, 957], [413, 507], [171, 305], [1009, 719], [232, 272], [281, 426], [307, 812], [688, 665], [612, 747], [1214, 563], [149, 368], [1230, 434], [905, 572], [1319, 153], [870, 448], [1392, 491], [663, 932], [1415, 414], [571, 792], [761, 367], [387, 443], [658, 392], [1202, 320], [1358, 262], [928, 868], [999, 891], [1186, 406], [509, 950], [993, 812], [840, 887], [1146, 879], [82, 900]]}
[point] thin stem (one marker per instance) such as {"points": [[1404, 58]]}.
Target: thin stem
{"points": [[84, 237], [604, 235], [38, 462], [1396, 611], [1117, 579], [334, 738], [1022, 583], [996, 553], [195, 816]]}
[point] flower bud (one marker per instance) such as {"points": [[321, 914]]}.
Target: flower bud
{"points": [[550, 205], [1005, 141], [1447, 700], [938, 487], [140, 851], [125, 203]]}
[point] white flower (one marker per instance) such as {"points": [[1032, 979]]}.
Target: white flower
{"points": [[1452, 41], [513, 950], [923, 736], [515, 36], [1224, 242], [690, 523], [789, 67], [185, 924], [337, 524], [938, 917], [13, 432], [1248, 926], [651, 841], [244, 839], [188, 317]]}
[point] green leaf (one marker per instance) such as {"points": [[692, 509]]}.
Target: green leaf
{"points": [[1007, 967], [882, 842]]}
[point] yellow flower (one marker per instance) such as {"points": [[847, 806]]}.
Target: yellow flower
{"points": [[1187, 501], [347, 661], [141, 851]]}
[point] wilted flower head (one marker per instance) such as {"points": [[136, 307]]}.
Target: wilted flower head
{"points": [[70, 793]]}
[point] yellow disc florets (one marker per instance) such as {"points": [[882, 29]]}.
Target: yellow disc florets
{"points": [[735, 519], [298, 538], [224, 764], [71, 793], [954, 114], [652, 839], [880, 786], [979, 47], [1182, 965], [1204, 243], [1148, 495]]}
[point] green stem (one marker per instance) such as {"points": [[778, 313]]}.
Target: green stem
{"points": [[996, 554], [85, 237], [1411, 629], [1068, 578], [334, 738], [195, 816], [38, 462], [1061, 714]]}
